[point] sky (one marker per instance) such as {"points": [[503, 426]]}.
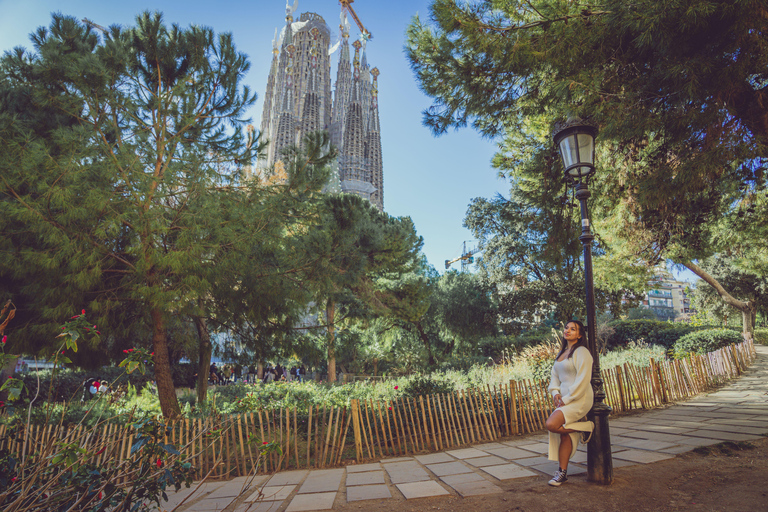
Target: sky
{"points": [[430, 179]]}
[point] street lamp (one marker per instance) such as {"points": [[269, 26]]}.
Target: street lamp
{"points": [[576, 141]]}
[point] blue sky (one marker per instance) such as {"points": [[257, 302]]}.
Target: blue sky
{"points": [[430, 179]]}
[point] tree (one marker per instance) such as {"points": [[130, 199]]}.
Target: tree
{"points": [[354, 244], [751, 288], [678, 90], [109, 143]]}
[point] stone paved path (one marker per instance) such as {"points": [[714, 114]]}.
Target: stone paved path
{"points": [[736, 412]]}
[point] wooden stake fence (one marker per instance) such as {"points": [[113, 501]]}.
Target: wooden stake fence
{"points": [[325, 436]]}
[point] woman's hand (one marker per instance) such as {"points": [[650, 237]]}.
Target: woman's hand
{"points": [[558, 400]]}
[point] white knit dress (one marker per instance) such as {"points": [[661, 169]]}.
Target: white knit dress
{"points": [[571, 380]]}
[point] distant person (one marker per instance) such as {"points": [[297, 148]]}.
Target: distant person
{"points": [[573, 397], [302, 373]]}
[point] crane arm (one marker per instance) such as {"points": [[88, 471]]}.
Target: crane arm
{"points": [[346, 5]]}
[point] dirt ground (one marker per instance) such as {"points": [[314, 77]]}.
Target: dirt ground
{"points": [[730, 477]]}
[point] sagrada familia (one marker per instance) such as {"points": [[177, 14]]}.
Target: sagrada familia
{"points": [[298, 101]]}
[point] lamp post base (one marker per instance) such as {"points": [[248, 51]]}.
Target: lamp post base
{"points": [[599, 459]]}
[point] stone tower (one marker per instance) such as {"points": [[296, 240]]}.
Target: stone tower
{"points": [[298, 101]]}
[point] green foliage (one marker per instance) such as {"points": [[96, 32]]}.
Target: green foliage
{"points": [[66, 478], [635, 353], [67, 384], [761, 336], [652, 332], [708, 340], [427, 386]]}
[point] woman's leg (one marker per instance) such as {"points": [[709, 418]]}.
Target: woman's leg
{"points": [[555, 424], [564, 454]]}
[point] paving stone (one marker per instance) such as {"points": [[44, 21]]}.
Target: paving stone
{"points": [[368, 492], [540, 448], [435, 458], [361, 468], [174, 498], [449, 468], [466, 453], [272, 493], [697, 441], [736, 429], [677, 449], [724, 436], [262, 506], [306, 502], [642, 456], [476, 488], [510, 453], [531, 461], [646, 444], [461, 478], [580, 457], [210, 505], [288, 477], [488, 446], [404, 472], [396, 459], [618, 463], [371, 477], [324, 480], [490, 460], [508, 472], [230, 490], [421, 489]]}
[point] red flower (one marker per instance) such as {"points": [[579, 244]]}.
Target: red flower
{"points": [[101, 451], [100, 494], [390, 408], [125, 351], [14, 479], [264, 442], [62, 351], [2, 404], [97, 332], [395, 387], [5, 338], [83, 311], [159, 463], [130, 350]]}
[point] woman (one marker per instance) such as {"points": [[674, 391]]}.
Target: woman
{"points": [[572, 395]]}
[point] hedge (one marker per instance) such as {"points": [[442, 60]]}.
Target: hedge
{"points": [[701, 342], [653, 332], [761, 336]]}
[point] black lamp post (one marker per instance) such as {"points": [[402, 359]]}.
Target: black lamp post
{"points": [[576, 141]]}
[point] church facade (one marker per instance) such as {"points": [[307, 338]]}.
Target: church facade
{"points": [[298, 101]]}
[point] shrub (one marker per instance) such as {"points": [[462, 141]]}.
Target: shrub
{"points": [[541, 358], [424, 385], [653, 332], [761, 336], [701, 342]]}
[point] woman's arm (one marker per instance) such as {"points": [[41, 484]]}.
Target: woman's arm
{"points": [[583, 361], [554, 383]]}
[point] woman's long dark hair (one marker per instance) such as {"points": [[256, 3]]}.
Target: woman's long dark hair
{"points": [[581, 343]]}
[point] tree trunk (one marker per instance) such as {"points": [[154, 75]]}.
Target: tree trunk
{"points": [[747, 308], [330, 311], [425, 340], [204, 359], [260, 370], [166, 392]]}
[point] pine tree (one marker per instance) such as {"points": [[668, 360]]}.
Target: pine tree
{"points": [[111, 141]]}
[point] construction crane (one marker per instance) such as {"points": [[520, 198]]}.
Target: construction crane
{"points": [[467, 257], [346, 5], [94, 25]]}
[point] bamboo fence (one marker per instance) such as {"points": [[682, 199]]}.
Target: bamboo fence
{"points": [[328, 436]]}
